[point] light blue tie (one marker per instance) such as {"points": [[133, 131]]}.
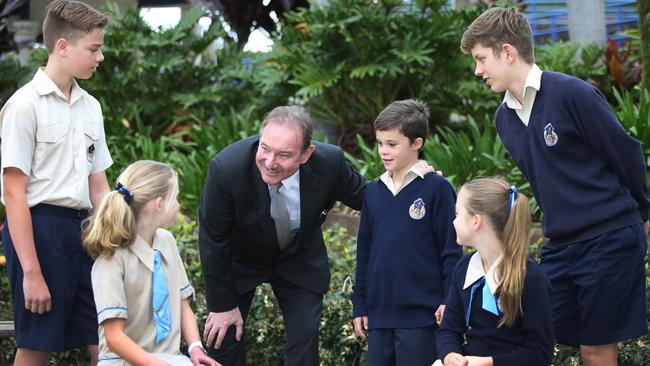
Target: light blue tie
{"points": [[489, 302], [161, 313]]}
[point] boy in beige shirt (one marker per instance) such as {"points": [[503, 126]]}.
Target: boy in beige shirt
{"points": [[54, 155]]}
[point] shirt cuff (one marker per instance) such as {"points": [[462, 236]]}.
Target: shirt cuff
{"points": [[111, 312], [187, 291]]}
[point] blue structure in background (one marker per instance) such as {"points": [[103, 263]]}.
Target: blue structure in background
{"points": [[549, 19]]}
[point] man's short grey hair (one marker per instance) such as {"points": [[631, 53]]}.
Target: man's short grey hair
{"points": [[293, 116]]}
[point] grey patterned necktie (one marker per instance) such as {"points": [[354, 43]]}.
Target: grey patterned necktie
{"points": [[280, 215]]}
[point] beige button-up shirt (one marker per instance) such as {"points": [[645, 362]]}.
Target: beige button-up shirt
{"points": [[122, 286], [55, 142]]}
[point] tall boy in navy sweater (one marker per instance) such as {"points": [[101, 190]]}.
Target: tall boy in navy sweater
{"points": [[406, 248], [589, 178]]}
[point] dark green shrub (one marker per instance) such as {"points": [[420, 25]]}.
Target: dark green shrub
{"points": [[158, 82], [635, 117], [145, 71], [12, 76], [351, 58], [586, 63]]}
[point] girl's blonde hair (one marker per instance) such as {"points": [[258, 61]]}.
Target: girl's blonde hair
{"points": [[113, 224], [490, 198]]}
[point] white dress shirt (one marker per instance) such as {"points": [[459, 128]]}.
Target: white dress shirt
{"points": [[533, 84]]}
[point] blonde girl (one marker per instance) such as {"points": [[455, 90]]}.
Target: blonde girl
{"points": [[498, 310], [140, 286]]}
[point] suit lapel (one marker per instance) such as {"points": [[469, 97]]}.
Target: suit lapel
{"points": [[261, 199], [308, 188]]}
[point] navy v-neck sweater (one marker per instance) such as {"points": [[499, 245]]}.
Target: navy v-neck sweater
{"points": [[406, 252], [588, 175]]}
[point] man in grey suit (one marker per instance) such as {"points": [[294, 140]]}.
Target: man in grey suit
{"points": [[260, 216]]}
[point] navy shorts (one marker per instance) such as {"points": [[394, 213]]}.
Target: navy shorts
{"points": [[66, 267], [402, 346], [598, 287]]}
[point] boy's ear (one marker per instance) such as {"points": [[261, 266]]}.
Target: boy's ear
{"points": [[417, 143], [61, 47], [510, 52]]}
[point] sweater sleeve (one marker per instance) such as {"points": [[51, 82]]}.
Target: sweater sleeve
{"points": [[363, 254], [536, 322], [606, 135], [449, 337], [449, 251]]}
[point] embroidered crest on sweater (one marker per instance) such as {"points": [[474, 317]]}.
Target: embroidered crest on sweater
{"points": [[417, 210], [550, 137]]}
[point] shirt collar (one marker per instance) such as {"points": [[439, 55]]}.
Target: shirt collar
{"points": [[475, 272], [44, 85], [293, 182], [416, 169], [145, 252], [533, 80]]}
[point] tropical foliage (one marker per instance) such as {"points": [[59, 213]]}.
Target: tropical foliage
{"points": [[180, 97]]}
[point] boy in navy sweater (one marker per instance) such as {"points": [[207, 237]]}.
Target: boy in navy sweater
{"points": [[406, 248], [589, 178]]}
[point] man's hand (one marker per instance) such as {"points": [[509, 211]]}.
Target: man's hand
{"points": [[361, 326], [455, 359], [439, 313], [217, 324], [200, 358], [37, 294], [646, 226], [431, 169]]}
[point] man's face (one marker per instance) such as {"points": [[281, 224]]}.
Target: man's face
{"points": [[85, 54], [279, 154], [493, 69]]}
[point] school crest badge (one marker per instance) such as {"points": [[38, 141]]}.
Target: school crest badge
{"points": [[550, 137], [90, 153], [417, 209]]}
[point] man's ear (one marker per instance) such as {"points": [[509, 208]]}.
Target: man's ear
{"points": [[307, 154]]}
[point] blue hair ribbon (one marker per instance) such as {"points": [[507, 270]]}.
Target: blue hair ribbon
{"points": [[512, 197], [124, 191]]}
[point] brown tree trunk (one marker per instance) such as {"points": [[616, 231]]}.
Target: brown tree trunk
{"points": [[643, 7]]}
